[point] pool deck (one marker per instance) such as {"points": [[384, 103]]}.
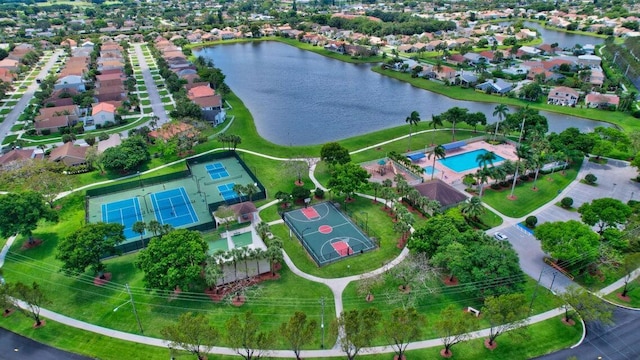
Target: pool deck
{"points": [[507, 151]]}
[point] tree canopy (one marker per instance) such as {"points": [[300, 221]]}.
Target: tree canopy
{"points": [[245, 338], [85, 247], [605, 213], [571, 241], [175, 260], [298, 331], [127, 156], [360, 328], [333, 153], [193, 333], [348, 178], [505, 313], [21, 212]]}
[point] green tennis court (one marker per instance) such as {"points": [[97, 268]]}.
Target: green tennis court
{"points": [[326, 233]]}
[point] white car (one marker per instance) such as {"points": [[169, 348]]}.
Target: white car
{"points": [[500, 236]]}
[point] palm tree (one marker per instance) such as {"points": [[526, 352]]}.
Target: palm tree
{"points": [[263, 230], [139, 227], [375, 186], [240, 190], [482, 176], [247, 254], [258, 254], [412, 119], [472, 208], [250, 190], [388, 194], [522, 152], [436, 120], [486, 158], [274, 253], [235, 255], [155, 227], [454, 115], [438, 153], [212, 272], [501, 111]]}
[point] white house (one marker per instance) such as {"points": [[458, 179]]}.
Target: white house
{"points": [[100, 114], [70, 82]]}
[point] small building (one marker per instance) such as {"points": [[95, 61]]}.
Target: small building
{"points": [[602, 101], [498, 86], [69, 154], [438, 190], [101, 114]]}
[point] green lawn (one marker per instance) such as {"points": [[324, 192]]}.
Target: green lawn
{"points": [[633, 293], [5, 111], [169, 107], [9, 139], [17, 127], [610, 274], [142, 88], [145, 102], [527, 199]]}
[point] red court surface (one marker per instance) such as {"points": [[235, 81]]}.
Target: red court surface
{"points": [[325, 229], [310, 213], [342, 248]]}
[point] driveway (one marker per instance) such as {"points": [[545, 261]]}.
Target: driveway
{"points": [[152, 89], [614, 180]]}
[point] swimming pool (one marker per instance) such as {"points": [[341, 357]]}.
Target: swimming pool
{"points": [[429, 170], [466, 161]]}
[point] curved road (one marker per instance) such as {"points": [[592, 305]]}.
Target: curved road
{"points": [[18, 347]]}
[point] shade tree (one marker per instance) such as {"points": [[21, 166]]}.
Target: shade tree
{"points": [[85, 247], [453, 326], [128, 156], [348, 178], [21, 213], [505, 313], [403, 327], [605, 213], [192, 333], [574, 244], [298, 331], [588, 306], [333, 153], [33, 297], [173, 261], [356, 329], [245, 338]]}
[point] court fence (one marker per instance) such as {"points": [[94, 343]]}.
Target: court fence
{"points": [[262, 193], [138, 183]]}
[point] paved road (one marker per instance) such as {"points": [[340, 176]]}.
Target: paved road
{"points": [[17, 347], [613, 342], [11, 118], [152, 89]]}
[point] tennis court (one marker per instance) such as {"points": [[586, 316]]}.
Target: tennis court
{"points": [[216, 171], [226, 191], [326, 233], [173, 207], [125, 212]]}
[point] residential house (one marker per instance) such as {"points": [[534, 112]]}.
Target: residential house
{"points": [[456, 59], [474, 58], [591, 61], [603, 101], [170, 130], [445, 73], [498, 86], [7, 75], [53, 118], [9, 64], [466, 79], [596, 78], [15, 158], [74, 82], [562, 95], [101, 114], [69, 154]]}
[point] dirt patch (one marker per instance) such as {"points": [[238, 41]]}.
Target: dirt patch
{"points": [[446, 354], [490, 346], [369, 298], [99, 281], [42, 324], [405, 289], [8, 312], [299, 183], [570, 322], [450, 281], [625, 298], [30, 245], [512, 197], [238, 300], [218, 293]]}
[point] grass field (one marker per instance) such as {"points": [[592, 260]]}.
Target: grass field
{"points": [[528, 199]]}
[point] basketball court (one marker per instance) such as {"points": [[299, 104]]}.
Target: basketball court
{"points": [[326, 233]]}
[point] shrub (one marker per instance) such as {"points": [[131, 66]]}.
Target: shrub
{"points": [[319, 193], [590, 179], [495, 186], [45, 131], [566, 202], [531, 221], [300, 193]]}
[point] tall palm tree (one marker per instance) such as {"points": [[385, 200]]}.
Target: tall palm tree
{"points": [[454, 115], [263, 230], [522, 152], [212, 272], [247, 254], [438, 153], [486, 158], [482, 176], [139, 227], [250, 190], [501, 111], [240, 190], [436, 120], [472, 208], [375, 186], [412, 119], [274, 253], [258, 254]]}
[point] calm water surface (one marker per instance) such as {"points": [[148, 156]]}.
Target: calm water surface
{"points": [[301, 98], [564, 39]]}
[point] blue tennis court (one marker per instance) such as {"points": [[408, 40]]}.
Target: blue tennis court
{"points": [[216, 171], [173, 207], [125, 212], [226, 191]]}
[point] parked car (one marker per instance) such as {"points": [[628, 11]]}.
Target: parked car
{"points": [[500, 236]]}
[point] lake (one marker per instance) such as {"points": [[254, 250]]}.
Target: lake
{"points": [[298, 97], [564, 39]]}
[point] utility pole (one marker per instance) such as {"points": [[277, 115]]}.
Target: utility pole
{"points": [[535, 290], [322, 322], [133, 305], [515, 176]]}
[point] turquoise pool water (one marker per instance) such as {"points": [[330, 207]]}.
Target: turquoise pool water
{"points": [[466, 161], [429, 170]]}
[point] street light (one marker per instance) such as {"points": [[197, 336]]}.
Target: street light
{"points": [[133, 306]]}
